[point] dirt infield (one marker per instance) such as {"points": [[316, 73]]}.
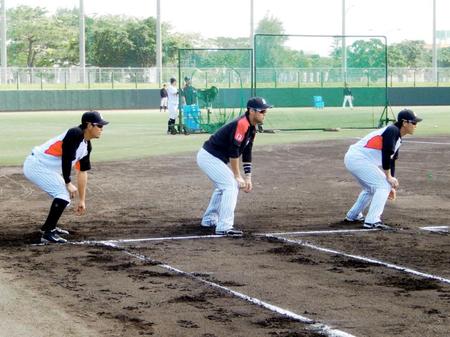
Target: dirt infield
{"points": [[103, 291]]}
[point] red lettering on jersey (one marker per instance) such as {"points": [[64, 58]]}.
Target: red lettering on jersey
{"points": [[77, 165], [55, 149], [242, 127], [375, 143]]}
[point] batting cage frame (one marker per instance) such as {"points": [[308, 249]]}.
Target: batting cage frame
{"points": [[217, 84], [322, 96]]}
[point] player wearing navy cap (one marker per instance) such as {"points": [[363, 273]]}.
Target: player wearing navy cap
{"points": [[372, 162], [227, 145], [49, 166]]}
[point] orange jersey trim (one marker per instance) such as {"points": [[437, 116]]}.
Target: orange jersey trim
{"points": [[375, 143], [55, 149], [242, 128]]}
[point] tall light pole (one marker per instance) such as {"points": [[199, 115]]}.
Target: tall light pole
{"points": [[4, 54], [158, 44], [344, 47], [434, 58], [252, 23], [82, 44]]}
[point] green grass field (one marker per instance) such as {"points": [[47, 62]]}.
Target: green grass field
{"points": [[140, 134]]}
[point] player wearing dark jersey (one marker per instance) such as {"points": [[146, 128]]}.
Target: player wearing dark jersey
{"points": [[227, 145], [371, 161], [49, 166]]}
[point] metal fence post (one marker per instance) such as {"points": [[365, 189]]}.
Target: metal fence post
{"points": [[112, 79], [135, 80]]}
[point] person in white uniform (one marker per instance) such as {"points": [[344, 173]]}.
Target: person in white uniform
{"points": [[49, 166], [173, 101], [227, 145], [372, 162]]}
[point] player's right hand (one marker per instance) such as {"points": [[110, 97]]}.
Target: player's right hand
{"points": [[393, 181], [72, 190], [241, 182]]}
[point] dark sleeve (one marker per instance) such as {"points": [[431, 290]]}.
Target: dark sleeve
{"points": [[85, 162], [394, 158], [390, 137], [235, 143], [70, 144], [247, 154]]}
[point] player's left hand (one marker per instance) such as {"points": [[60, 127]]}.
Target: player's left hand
{"points": [[81, 208], [393, 194], [248, 185]]}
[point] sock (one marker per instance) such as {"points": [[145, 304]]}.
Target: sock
{"points": [[56, 210]]}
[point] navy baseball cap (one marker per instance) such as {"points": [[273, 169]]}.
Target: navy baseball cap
{"points": [[258, 104], [408, 115], [93, 117]]}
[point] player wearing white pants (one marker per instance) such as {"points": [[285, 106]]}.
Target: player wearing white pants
{"points": [[372, 162], [348, 97], [172, 105], [49, 166], [226, 146]]}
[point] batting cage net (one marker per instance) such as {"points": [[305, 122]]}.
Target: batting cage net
{"points": [[214, 85], [322, 81]]}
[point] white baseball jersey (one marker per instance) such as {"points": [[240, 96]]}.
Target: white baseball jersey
{"points": [[372, 145]]}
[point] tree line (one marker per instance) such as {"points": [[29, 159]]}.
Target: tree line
{"points": [[39, 39]]}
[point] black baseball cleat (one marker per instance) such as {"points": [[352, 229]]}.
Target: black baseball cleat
{"points": [[52, 237], [231, 232], [58, 230], [377, 225], [61, 231], [360, 218]]}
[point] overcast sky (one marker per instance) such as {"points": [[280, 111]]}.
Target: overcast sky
{"points": [[398, 19]]}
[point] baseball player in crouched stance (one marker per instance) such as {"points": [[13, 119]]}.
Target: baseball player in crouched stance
{"points": [[226, 146], [372, 162], [49, 166]]}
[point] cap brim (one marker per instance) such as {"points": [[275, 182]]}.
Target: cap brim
{"points": [[417, 119], [265, 107], [103, 122]]}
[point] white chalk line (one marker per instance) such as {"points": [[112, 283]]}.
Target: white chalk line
{"points": [[424, 142], [322, 232], [215, 236], [314, 326], [167, 238], [438, 229], [362, 258]]}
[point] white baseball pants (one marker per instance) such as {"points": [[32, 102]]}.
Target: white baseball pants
{"points": [[375, 186], [220, 211], [47, 180], [173, 111], [349, 99]]}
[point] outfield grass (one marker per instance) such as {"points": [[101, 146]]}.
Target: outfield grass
{"points": [[140, 134]]}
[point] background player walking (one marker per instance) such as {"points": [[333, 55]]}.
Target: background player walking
{"points": [[173, 101], [372, 162], [226, 146], [49, 166]]}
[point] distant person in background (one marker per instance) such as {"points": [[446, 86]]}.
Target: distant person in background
{"points": [[164, 98], [189, 93], [348, 97], [49, 166], [173, 100]]}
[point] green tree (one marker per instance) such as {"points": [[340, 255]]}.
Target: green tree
{"points": [[268, 48], [444, 57], [409, 53], [36, 39]]}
